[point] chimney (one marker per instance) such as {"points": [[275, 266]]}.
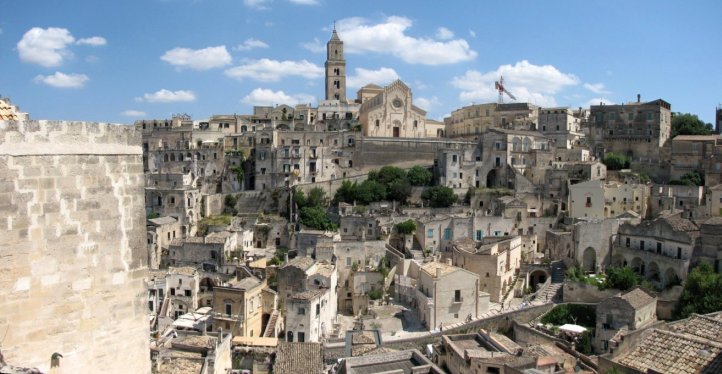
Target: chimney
{"points": [[438, 272], [448, 262], [639, 98]]}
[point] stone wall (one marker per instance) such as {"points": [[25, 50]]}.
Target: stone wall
{"points": [[578, 292], [73, 252]]}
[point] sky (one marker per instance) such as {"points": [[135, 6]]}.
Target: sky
{"points": [[120, 61]]}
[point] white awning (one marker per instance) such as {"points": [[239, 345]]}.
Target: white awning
{"points": [[576, 329]]}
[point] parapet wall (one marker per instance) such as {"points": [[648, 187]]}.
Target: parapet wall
{"points": [[72, 247]]}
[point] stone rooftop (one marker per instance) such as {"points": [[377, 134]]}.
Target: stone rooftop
{"points": [[307, 295], [303, 263], [245, 283], [637, 298], [183, 270], [672, 352], [294, 358], [167, 220], [430, 268]]}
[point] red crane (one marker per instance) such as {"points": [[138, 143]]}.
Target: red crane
{"points": [[499, 86]]}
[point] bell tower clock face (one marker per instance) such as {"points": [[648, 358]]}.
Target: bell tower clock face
{"points": [[397, 103]]}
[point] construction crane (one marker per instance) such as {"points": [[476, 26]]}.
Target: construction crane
{"points": [[499, 85]]}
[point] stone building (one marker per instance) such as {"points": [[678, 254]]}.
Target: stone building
{"points": [[446, 294], [73, 246], [495, 261], [660, 249], [695, 153], [410, 360], [474, 120], [485, 353], [591, 243], [238, 307], [560, 126], [161, 232], [599, 199], [688, 199], [185, 352], [391, 113], [708, 247], [637, 130], [617, 315], [310, 310], [183, 286], [504, 153], [209, 253]]}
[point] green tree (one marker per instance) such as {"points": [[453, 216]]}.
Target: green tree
{"points": [[621, 278], [419, 176], [439, 196], [615, 161], [369, 191], [398, 190], [346, 193], [316, 197], [690, 179], [315, 217], [229, 205], [689, 124], [701, 292], [406, 227], [388, 174]]}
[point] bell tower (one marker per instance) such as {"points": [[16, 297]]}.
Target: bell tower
{"points": [[335, 69]]}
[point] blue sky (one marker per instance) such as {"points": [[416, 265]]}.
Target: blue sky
{"points": [[118, 61]]}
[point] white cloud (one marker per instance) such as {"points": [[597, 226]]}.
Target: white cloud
{"points": [[389, 37], [264, 96], [598, 100], [256, 4], [597, 88], [167, 96], [427, 103], [46, 47], [251, 44], [472, 33], [444, 34], [315, 46], [528, 82], [198, 59], [266, 70], [419, 85], [62, 80], [363, 77], [133, 113], [304, 2], [95, 41]]}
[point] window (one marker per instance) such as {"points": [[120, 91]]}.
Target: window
{"points": [[659, 248], [188, 293], [301, 312], [348, 262], [479, 235], [301, 337], [628, 242], [430, 233], [589, 201], [641, 244], [679, 253], [228, 309], [457, 296], [318, 310], [172, 291], [447, 234], [453, 158]]}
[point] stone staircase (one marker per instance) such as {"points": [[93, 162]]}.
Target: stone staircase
{"points": [[271, 326]]}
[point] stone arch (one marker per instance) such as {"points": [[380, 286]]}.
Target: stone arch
{"points": [[526, 145], [671, 277], [172, 156], [207, 284], [537, 278], [589, 260], [516, 144], [492, 179], [638, 265], [244, 128], [439, 133], [165, 157], [653, 271]]}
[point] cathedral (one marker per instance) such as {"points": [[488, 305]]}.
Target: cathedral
{"points": [[384, 111]]}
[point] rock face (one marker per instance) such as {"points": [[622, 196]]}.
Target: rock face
{"points": [[72, 247]]}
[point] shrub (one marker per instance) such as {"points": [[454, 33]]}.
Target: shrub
{"points": [[615, 161], [406, 227], [439, 196]]}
